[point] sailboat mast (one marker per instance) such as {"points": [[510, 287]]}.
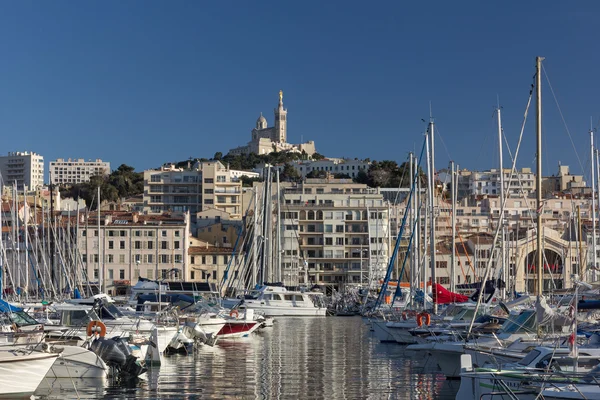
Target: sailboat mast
{"points": [[26, 233], [594, 258], [538, 189], [278, 267], [501, 219], [453, 254], [100, 260], [432, 210]]}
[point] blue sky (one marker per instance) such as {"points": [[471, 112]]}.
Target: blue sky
{"points": [[147, 82]]}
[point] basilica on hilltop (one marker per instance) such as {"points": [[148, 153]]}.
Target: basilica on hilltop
{"points": [[269, 139]]}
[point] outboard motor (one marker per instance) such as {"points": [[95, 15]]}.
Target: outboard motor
{"points": [[117, 355]]}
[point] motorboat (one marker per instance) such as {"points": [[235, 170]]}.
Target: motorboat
{"points": [[277, 301]]}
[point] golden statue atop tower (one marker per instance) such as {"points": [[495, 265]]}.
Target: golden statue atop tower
{"points": [[281, 96]]}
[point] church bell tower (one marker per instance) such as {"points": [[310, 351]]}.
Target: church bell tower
{"points": [[280, 121]]}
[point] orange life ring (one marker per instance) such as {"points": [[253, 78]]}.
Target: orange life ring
{"points": [[419, 320], [427, 318], [94, 326], [234, 314]]}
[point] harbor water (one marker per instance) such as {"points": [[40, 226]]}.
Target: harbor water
{"points": [[297, 358]]}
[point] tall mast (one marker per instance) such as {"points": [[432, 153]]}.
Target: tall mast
{"points": [[454, 179], [432, 209], [26, 233], [412, 226], [100, 259], [278, 264], [540, 250], [501, 219], [594, 258]]}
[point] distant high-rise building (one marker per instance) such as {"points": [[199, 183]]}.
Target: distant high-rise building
{"points": [[76, 171], [26, 169]]}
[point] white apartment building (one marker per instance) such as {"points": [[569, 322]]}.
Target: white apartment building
{"points": [[76, 171], [207, 185], [26, 169], [332, 166], [334, 233], [488, 182]]}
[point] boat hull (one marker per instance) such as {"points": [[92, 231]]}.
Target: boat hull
{"points": [[20, 375]]}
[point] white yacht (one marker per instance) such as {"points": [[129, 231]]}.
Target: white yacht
{"points": [[277, 301]]}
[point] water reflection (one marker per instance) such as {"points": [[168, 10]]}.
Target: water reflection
{"points": [[299, 358]]}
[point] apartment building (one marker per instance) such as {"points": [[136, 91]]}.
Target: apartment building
{"points": [[334, 233], [130, 245], [333, 166], [72, 172], [25, 169], [206, 185]]}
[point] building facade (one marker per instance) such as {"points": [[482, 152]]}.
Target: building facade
{"points": [[72, 172], [128, 246], [207, 185], [25, 169], [334, 233]]}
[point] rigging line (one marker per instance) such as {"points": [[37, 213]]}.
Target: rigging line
{"points": [[401, 181], [563, 120], [437, 130]]}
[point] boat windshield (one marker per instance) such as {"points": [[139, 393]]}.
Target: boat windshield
{"points": [[533, 354], [523, 322], [110, 311], [20, 318]]}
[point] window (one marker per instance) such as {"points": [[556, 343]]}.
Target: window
{"points": [[150, 260], [111, 258], [110, 274], [111, 245], [121, 258], [137, 245], [221, 178], [164, 245], [441, 264], [96, 273], [177, 233], [176, 244], [138, 233], [164, 258], [163, 233], [214, 259], [122, 245], [123, 233], [208, 201], [150, 244], [111, 233], [209, 180]]}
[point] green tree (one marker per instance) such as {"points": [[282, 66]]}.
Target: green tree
{"points": [[289, 174], [218, 155], [317, 156]]}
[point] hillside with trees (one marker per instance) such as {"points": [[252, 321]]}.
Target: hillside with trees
{"points": [[121, 183]]}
